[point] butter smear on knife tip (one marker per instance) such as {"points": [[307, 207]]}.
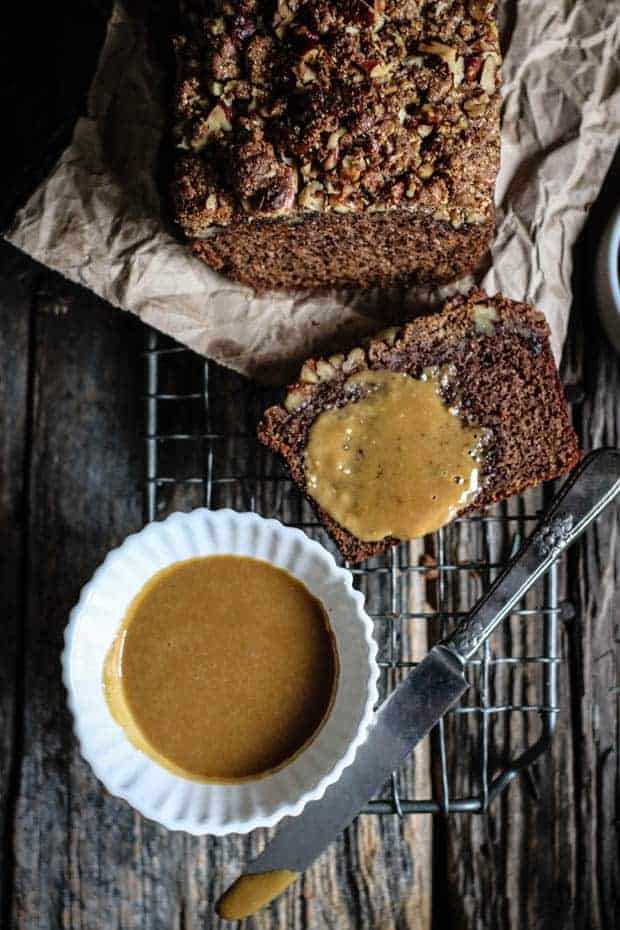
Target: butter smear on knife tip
{"points": [[251, 892]]}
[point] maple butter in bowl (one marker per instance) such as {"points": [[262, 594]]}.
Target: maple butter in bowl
{"points": [[221, 671], [224, 668]]}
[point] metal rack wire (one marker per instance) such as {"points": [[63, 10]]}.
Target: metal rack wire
{"points": [[201, 450]]}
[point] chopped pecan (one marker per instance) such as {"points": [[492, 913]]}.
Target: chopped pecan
{"points": [[476, 107], [489, 71], [242, 29], [355, 360], [224, 59], [397, 192], [254, 166], [312, 197], [324, 370], [352, 166], [259, 59], [217, 122], [200, 194], [277, 197], [480, 9], [473, 64], [364, 12], [294, 400], [308, 375]]}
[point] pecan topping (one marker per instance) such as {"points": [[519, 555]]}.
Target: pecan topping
{"points": [[310, 105]]}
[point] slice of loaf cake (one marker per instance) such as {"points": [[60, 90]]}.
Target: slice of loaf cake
{"points": [[337, 143], [470, 396]]}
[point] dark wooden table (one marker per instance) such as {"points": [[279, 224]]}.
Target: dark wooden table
{"points": [[71, 487]]}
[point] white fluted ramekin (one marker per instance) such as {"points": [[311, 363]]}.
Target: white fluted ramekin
{"points": [[198, 807], [607, 278]]}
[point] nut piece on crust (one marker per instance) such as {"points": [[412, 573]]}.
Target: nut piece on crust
{"points": [[199, 193]]}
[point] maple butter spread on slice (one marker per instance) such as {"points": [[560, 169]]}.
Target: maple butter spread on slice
{"points": [[393, 461]]}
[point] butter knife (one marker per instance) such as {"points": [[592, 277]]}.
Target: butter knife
{"points": [[430, 689]]}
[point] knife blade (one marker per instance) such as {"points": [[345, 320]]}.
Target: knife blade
{"points": [[428, 692]]}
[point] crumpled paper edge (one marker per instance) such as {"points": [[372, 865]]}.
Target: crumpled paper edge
{"points": [[97, 217]]}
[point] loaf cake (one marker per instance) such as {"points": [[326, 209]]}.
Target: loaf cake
{"points": [[350, 142], [495, 372]]}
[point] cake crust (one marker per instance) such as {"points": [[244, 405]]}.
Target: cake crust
{"points": [[504, 379], [302, 124]]}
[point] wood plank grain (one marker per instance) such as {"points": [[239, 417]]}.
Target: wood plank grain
{"points": [[16, 275], [514, 866], [544, 855], [593, 588], [81, 857]]}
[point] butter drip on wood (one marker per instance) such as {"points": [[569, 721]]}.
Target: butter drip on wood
{"points": [[223, 669], [396, 461], [251, 892]]}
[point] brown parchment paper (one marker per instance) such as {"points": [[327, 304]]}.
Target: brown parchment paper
{"points": [[98, 220]]}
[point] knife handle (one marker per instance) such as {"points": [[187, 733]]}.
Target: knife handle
{"points": [[591, 486]]}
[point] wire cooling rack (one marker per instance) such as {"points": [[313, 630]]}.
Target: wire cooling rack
{"points": [[201, 450]]}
